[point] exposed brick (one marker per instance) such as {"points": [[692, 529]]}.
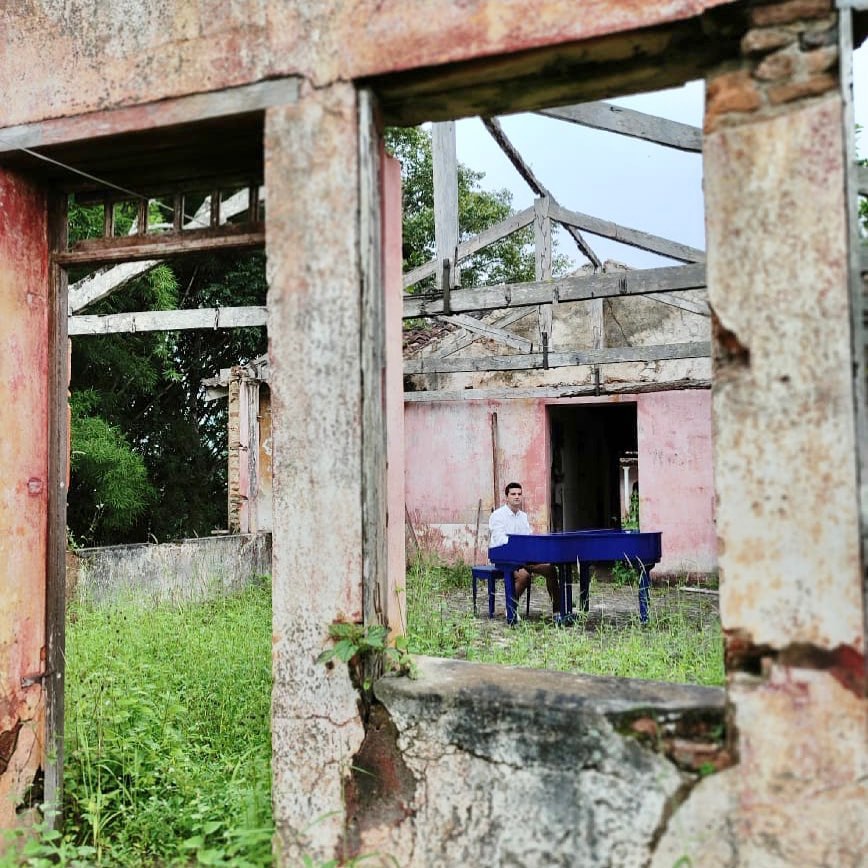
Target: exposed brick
{"points": [[793, 10], [731, 92], [821, 59], [812, 86], [776, 66], [761, 40], [818, 38]]}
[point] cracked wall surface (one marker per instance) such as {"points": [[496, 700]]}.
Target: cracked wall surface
{"points": [[785, 474], [313, 327], [67, 58], [516, 767]]}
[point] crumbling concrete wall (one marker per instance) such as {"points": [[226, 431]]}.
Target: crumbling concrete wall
{"points": [[192, 569], [492, 765], [24, 324], [785, 471], [57, 64]]}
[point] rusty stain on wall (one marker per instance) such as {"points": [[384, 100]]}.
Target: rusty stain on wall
{"points": [[23, 498]]}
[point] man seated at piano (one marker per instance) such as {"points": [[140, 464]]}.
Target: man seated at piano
{"points": [[510, 518]]}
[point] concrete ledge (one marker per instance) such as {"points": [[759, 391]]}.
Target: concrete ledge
{"points": [[535, 767]]}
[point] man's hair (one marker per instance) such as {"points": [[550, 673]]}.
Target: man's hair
{"points": [[512, 485]]}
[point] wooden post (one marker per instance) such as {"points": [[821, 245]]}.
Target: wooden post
{"points": [[542, 227], [445, 198]]}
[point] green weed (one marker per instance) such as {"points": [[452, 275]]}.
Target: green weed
{"points": [[168, 746]]}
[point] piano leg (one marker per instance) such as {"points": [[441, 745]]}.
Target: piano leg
{"points": [[585, 586], [644, 595], [509, 586], [565, 583]]}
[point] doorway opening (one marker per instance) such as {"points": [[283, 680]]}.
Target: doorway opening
{"points": [[590, 444]]}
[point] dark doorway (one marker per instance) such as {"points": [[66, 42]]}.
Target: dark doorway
{"points": [[588, 443]]}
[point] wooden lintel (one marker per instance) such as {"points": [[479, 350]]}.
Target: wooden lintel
{"points": [[552, 393], [580, 288], [627, 122], [179, 110], [626, 235], [166, 320], [533, 361], [130, 248]]}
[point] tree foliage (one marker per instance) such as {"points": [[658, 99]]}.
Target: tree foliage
{"points": [[509, 260], [138, 397]]}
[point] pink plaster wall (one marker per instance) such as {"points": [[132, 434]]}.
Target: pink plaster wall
{"points": [[88, 55], [676, 484], [449, 468], [23, 483]]}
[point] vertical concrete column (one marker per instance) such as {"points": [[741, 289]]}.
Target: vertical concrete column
{"points": [[396, 609], [785, 456], [314, 325], [24, 490]]}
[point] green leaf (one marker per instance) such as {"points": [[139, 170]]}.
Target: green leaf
{"points": [[345, 650]]}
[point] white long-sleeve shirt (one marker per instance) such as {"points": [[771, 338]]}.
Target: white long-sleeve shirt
{"points": [[503, 522]]}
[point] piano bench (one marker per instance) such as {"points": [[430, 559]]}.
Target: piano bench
{"points": [[490, 574]]}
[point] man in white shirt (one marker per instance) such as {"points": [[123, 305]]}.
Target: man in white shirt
{"points": [[508, 519]]}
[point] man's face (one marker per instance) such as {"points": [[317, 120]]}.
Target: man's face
{"points": [[513, 499]]}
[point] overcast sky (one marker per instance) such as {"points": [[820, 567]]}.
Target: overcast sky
{"points": [[628, 181]]}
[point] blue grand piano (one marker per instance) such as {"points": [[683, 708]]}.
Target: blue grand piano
{"points": [[583, 547]]}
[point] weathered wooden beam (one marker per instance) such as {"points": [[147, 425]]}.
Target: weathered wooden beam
{"points": [[627, 122], [457, 342], [625, 235], [532, 361], [168, 112], [473, 245], [496, 130], [133, 247], [485, 330], [105, 281], [445, 160], [691, 306], [542, 232], [619, 388], [580, 288], [167, 320]]}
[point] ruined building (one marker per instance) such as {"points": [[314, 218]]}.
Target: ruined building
{"points": [[178, 96]]}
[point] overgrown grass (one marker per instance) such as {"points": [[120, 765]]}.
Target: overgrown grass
{"points": [[681, 643], [168, 745]]}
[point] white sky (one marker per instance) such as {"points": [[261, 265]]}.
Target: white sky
{"points": [[628, 181]]}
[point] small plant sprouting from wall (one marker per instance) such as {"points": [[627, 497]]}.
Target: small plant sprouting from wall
{"points": [[355, 644]]}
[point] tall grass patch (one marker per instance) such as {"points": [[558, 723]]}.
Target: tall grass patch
{"points": [[168, 745]]}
